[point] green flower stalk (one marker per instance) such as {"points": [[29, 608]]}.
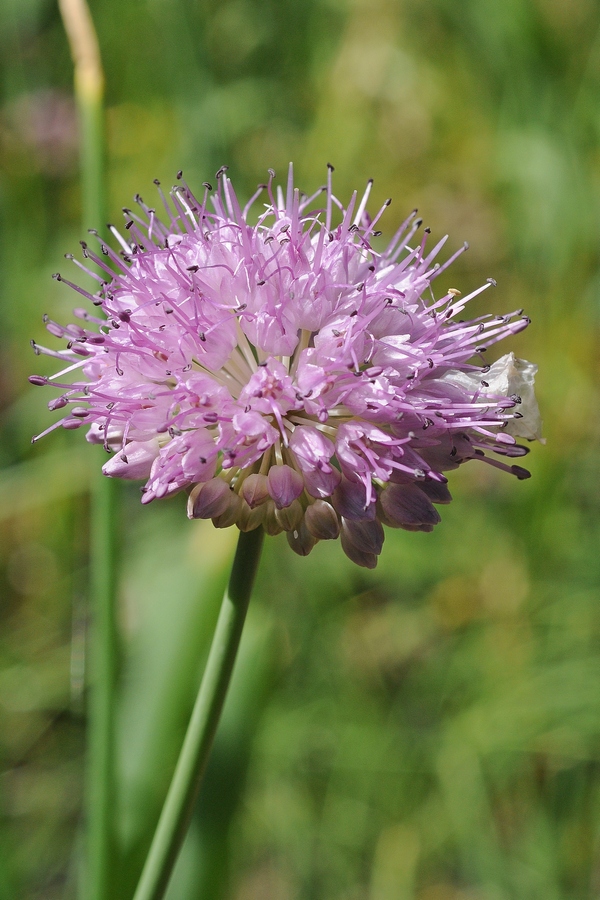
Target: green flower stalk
{"points": [[100, 792], [185, 785]]}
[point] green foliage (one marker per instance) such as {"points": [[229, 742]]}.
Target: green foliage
{"points": [[426, 731]]}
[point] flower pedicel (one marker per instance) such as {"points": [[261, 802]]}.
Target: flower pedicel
{"points": [[291, 375]]}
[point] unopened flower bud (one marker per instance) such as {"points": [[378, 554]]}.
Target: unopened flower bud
{"points": [[211, 501], [285, 485], [249, 518], [322, 521], [437, 491], [231, 514], [291, 516], [349, 499], [301, 540], [366, 536], [255, 490], [406, 506], [270, 522], [358, 556]]}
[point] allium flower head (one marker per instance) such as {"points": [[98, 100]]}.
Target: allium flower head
{"points": [[290, 374]]}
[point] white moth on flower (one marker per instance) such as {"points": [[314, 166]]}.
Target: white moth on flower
{"points": [[508, 377]]}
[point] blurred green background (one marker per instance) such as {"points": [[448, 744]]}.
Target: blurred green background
{"points": [[429, 730]]}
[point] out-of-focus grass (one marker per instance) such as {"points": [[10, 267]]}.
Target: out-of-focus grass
{"points": [[430, 730]]}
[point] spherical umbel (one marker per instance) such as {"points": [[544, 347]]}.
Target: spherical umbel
{"points": [[287, 373]]}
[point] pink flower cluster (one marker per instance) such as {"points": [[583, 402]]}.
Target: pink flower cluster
{"points": [[289, 373]]}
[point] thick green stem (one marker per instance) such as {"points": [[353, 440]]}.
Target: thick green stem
{"points": [[187, 778], [100, 793], [91, 137]]}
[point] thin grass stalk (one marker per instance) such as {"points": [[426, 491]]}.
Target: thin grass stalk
{"points": [[191, 765], [100, 787]]}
